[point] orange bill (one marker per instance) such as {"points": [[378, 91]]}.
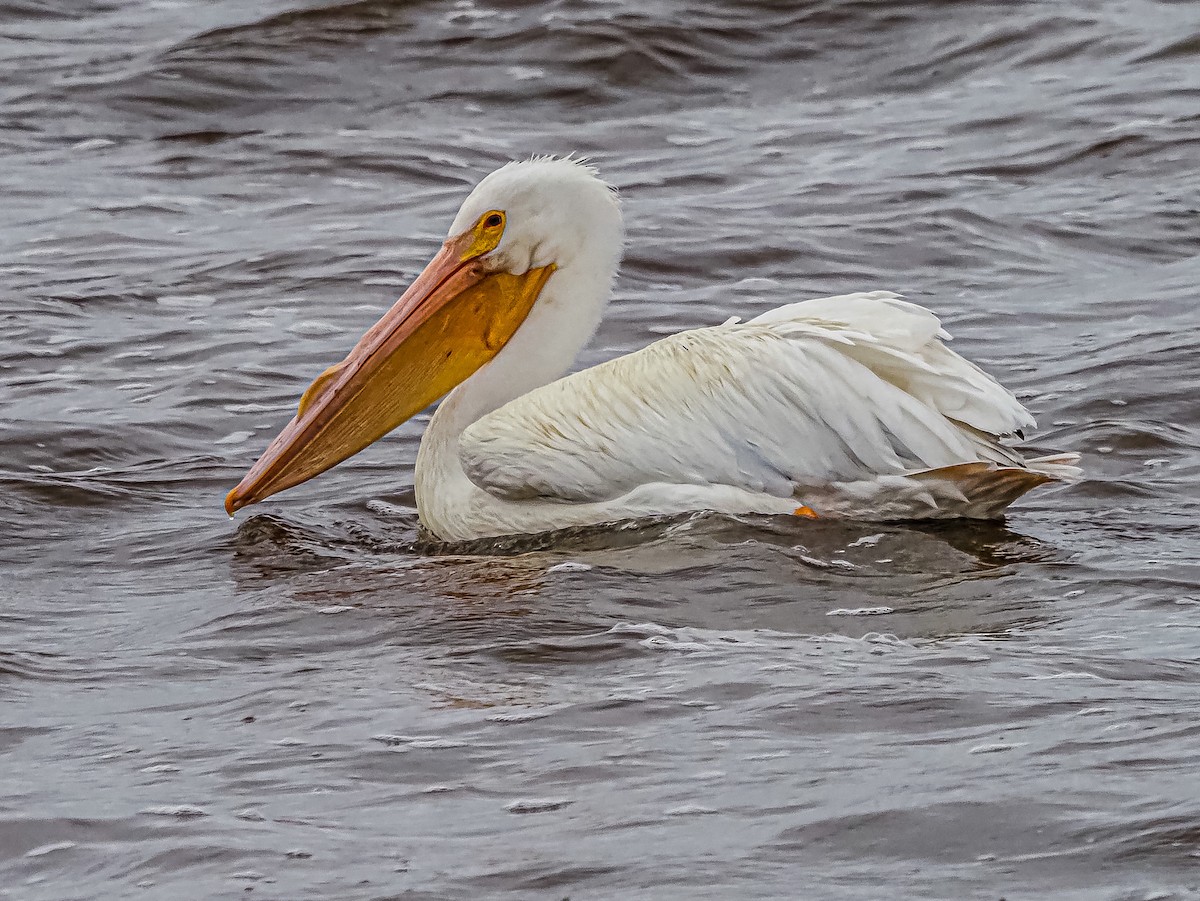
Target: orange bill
{"points": [[455, 317]]}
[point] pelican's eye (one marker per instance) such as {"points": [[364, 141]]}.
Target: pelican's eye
{"points": [[488, 231]]}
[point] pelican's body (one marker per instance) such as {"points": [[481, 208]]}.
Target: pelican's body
{"points": [[841, 406]]}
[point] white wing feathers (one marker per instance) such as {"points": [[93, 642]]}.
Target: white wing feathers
{"points": [[837, 389], [900, 341]]}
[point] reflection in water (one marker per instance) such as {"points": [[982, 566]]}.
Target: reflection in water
{"points": [[267, 541], [575, 581]]}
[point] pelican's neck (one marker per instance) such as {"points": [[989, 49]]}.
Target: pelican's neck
{"points": [[558, 327], [561, 323], [558, 213]]}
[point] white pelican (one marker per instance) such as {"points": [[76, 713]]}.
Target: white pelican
{"points": [[844, 406]]}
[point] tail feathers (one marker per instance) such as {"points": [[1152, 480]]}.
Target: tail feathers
{"points": [[1059, 467], [978, 490], [985, 490]]}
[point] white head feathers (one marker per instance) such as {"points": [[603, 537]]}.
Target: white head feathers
{"points": [[557, 210]]}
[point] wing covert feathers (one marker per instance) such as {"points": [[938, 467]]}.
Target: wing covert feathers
{"points": [[843, 390]]}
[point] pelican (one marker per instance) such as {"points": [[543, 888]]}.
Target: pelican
{"points": [[846, 406]]}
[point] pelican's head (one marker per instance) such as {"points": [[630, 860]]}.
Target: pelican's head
{"points": [[523, 226], [556, 212]]}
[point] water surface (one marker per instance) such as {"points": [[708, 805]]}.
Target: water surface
{"points": [[205, 204]]}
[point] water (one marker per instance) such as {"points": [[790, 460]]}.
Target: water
{"points": [[204, 205]]}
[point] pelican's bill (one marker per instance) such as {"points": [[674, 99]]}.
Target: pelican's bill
{"points": [[455, 317]]}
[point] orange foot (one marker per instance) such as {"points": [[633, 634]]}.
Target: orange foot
{"points": [[806, 512]]}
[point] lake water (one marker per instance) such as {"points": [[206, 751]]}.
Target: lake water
{"points": [[203, 204]]}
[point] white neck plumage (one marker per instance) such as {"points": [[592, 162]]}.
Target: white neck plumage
{"points": [[560, 324]]}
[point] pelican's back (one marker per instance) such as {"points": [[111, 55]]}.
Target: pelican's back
{"points": [[842, 403]]}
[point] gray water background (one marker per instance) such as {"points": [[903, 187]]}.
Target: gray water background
{"points": [[203, 204]]}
